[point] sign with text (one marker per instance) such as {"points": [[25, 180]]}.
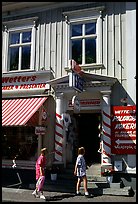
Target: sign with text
{"points": [[25, 81], [123, 129], [40, 130], [75, 81], [86, 102]]}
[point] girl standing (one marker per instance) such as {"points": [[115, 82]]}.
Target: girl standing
{"points": [[40, 173], [80, 171]]}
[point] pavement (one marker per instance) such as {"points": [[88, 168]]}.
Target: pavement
{"points": [[25, 195]]}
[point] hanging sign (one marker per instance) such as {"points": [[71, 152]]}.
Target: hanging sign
{"points": [[40, 130], [75, 81], [44, 114], [123, 129], [76, 104]]}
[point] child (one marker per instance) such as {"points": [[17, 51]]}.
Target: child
{"points": [[80, 171], [40, 172]]}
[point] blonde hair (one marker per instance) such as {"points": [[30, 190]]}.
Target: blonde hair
{"points": [[44, 150], [81, 150]]}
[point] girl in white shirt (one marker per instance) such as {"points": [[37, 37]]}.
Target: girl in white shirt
{"points": [[80, 171]]}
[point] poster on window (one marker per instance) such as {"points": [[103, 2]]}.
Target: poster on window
{"points": [[123, 129]]}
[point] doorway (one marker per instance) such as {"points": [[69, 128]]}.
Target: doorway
{"points": [[87, 128]]}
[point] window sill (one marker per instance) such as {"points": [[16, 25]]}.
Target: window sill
{"points": [[88, 67]]}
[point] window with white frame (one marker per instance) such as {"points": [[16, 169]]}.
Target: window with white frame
{"points": [[83, 42], [85, 36], [19, 45], [19, 50]]}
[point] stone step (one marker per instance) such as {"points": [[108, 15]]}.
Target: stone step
{"points": [[93, 172], [117, 185], [125, 191], [96, 184], [104, 184], [95, 178], [66, 176]]}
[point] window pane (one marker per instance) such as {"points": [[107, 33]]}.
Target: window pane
{"points": [[90, 51], [77, 30], [15, 38], [77, 51], [26, 51], [14, 56], [90, 28], [26, 37], [20, 141]]}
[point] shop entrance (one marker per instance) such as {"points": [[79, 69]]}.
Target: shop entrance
{"points": [[87, 128]]}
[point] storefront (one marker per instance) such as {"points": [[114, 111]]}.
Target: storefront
{"points": [[27, 111], [85, 110], [81, 116], [62, 117]]}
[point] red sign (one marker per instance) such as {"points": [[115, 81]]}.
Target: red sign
{"points": [[21, 82], [123, 129], [87, 102]]}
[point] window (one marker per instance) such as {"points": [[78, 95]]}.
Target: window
{"points": [[83, 42], [20, 141], [84, 37], [19, 50]]}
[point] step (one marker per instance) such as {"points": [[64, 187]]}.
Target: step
{"points": [[125, 191], [104, 184], [95, 178], [66, 176], [96, 184], [117, 185]]}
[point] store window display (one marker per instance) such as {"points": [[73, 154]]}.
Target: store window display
{"points": [[19, 141]]}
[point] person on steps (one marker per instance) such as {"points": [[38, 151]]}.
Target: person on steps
{"points": [[80, 171]]}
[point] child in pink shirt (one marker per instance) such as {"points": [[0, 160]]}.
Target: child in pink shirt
{"points": [[40, 173]]}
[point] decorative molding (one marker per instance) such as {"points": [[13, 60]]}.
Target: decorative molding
{"points": [[25, 21], [76, 12], [88, 67]]}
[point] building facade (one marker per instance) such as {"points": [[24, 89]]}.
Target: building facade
{"points": [[69, 80]]}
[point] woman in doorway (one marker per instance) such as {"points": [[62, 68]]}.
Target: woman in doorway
{"points": [[80, 171]]}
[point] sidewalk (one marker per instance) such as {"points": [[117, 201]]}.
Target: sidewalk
{"points": [[24, 195]]}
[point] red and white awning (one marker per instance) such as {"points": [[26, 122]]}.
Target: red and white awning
{"points": [[18, 111]]}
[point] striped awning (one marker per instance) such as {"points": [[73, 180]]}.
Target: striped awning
{"points": [[18, 111]]}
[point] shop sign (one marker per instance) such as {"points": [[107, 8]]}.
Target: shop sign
{"points": [[25, 81], [40, 130], [123, 129], [86, 102], [76, 81]]}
